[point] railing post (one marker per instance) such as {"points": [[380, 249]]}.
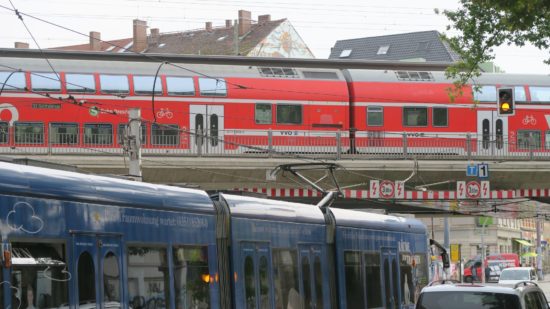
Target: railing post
{"points": [[405, 146], [338, 145], [270, 143], [469, 146]]}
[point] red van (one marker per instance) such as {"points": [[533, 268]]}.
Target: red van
{"points": [[503, 260]]}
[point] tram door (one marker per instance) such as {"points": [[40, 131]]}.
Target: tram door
{"points": [[390, 273], [311, 276], [97, 274], [492, 133], [206, 125], [258, 278]]}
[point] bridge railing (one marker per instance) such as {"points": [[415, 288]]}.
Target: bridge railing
{"points": [[319, 144]]}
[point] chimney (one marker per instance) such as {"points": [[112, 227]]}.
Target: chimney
{"points": [[228, 23], [209, 26], [245, 21], [21, 45], [264, 19], [140, 36], [155, 36], [95, 41]]}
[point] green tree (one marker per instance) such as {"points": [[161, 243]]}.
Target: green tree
{"points": [[485, 24]]}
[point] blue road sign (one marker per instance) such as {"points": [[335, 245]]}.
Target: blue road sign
{"points": [[471, 170], [483, 170]]}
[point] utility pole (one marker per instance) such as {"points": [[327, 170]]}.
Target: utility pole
{"points": [[133, 143], [540, 274]]}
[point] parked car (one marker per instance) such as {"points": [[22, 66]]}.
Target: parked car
{"points": [[494, 274], [513, 275], [455, 295]]}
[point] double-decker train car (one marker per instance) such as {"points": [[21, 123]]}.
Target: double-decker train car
{"points": [[72, 240], [229, 105]]}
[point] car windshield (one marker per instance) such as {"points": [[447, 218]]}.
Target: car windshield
{"points": [[468, 299], [514, 274]]}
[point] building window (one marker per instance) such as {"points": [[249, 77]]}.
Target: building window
{"points": [[263, 114], [383, 50], [345, 53], [80, 83], [180, 86], [415, 116], [529, 139], [144, 85], [375, 116], [289, 114], [440, 117]]}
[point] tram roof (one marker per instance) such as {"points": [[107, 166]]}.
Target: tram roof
{"points": [[41, 182], [367, 220]]}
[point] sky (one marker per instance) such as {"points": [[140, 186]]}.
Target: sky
{"points": [[319, 23]]}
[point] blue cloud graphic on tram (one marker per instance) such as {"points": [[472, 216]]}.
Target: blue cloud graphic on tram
{"points": [[23, 218]]}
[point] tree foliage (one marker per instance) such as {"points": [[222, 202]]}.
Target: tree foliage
{"points": [[485, 24]]}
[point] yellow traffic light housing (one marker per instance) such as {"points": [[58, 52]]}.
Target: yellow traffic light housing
{"points": [[506, 102]]}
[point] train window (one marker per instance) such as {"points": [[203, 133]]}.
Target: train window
{"points": [[111, 279], [4, 133], [306, 282], [148, 279], [318, 282], [529, 139], [12, 81], [286, 278], [166, 134], [263, 113], [373, 279], [180, 85], [249, 283], [144, 85], [540, 94], [375, 116], [86, 279], [98, 134], [114, 84], [415, 116], [191, 277], [519, 94], [289, 114], [547, 140], [39, 274], [212, 87], [45, 82], [29, 133], [486, 94], [63, 133], [440, 117], [122, 129], [80, 83], [355, 284]]}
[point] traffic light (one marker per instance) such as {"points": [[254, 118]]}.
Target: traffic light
{"points": [[506, 102]]}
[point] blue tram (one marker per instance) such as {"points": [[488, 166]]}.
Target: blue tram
{"points": [[72, 240]]}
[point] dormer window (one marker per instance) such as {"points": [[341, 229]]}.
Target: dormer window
{"points": [[345, 53], [383, 50]]}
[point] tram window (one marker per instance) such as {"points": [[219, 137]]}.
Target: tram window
{"points": [[249, 283], [420, 272], [48, 82], [318, 282], [111, 279], [547, 140], [180, 85], [264, 283], [191, 277], [440, 117], [395, 283], [114, 84], [29, 133], [263, 114], [375, 116], [39, 275], [98, 134], [13, 82], [485, 94], [212, 87], [86, 279], [415, 116], [289, 114], [529, 139], [121, 131], [165, 135], [355, 284], [540, 94], [148, 266], [286, 278], [372, 274], [4, 133], [306, 282], [144, 85], [64, 133], [407, 287], [80, 83]]}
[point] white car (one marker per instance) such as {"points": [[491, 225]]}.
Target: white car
{"points": [[513, 275]]}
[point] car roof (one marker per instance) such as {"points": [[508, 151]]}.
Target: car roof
{"points": [[470, 288], [517, 268]]}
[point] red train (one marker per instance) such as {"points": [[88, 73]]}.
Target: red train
{"points": [[223, 105]]}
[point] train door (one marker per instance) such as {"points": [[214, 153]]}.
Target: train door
{"points": [[311, 276], [390, 273], [98, 269], [258, 278], [492, 133], [206, 125]]}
